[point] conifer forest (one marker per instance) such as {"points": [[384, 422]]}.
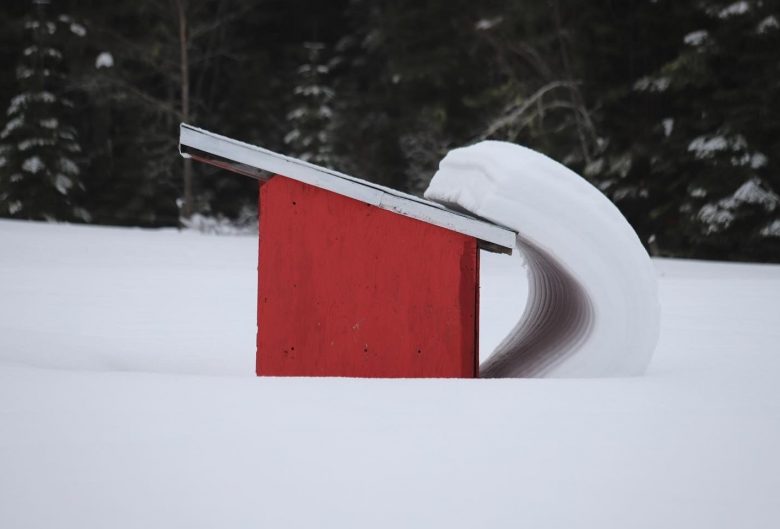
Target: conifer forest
{"points": [[671, 108]]}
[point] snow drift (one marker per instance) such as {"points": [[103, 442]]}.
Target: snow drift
{"points": [[592, 307]]}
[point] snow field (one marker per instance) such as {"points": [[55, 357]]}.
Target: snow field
{"points": [[127, 299], [127, 400]]}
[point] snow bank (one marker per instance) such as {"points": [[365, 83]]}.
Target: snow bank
{"points": [[592, 306]]}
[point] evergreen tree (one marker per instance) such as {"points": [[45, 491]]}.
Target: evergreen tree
{"points": [[669, 107], [733, 133], [39, 149], [310, 120], [409, 83], [690, 127]]}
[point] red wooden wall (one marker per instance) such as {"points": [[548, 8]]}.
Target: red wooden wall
{"points": [[348, 289]]}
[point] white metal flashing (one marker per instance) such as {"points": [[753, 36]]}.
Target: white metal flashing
{"points": [[246, 159]]}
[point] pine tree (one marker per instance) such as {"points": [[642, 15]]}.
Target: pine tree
{"points": [[39, 149], [310, 120], [408, 81], [733, 136], [687, 96]]}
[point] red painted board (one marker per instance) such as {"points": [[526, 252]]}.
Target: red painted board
{"points": [[349, 289]]}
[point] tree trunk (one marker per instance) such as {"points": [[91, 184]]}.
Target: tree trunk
{"points": [[581, 115], [181, 8]]}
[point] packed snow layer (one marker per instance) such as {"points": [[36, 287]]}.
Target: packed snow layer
{"points": [[127, 399], [592, 306]]}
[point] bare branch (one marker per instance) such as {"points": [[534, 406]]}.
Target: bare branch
{"points": [[205, 29], [516, 114], [584, 123]]}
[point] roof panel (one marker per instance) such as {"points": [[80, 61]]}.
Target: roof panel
{"points": [[251, 160]]}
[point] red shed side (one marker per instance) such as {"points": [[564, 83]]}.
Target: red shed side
{"points": [[348, 289]]}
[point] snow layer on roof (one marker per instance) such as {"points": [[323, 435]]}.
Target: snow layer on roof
{"points": [[592, 308]]}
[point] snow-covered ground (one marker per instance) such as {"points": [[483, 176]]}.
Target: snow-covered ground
{"points": [[127, 400]]}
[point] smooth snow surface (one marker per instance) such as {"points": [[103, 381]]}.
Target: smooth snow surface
{"points": [[127, 299], [592, 306], [127, 399]]}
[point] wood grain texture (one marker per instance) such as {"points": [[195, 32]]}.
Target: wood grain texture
{"points": [[348, 289]]}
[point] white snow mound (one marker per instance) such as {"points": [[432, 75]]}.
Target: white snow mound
{"points": [[592, 308]]}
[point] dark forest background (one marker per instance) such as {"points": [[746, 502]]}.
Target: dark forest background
{"points": [[671, 108]]}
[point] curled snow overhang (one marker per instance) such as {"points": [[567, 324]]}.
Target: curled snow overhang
{"points": [[261, 164], [558, 315], [592, 308]]}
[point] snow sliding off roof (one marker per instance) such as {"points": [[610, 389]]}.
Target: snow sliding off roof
{"points": [[592, 308], [261, 164]]}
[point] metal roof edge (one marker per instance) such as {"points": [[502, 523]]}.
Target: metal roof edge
{"points": [[245, 158]]}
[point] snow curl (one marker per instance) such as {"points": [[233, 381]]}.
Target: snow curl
{"points": [[592, 308]]}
